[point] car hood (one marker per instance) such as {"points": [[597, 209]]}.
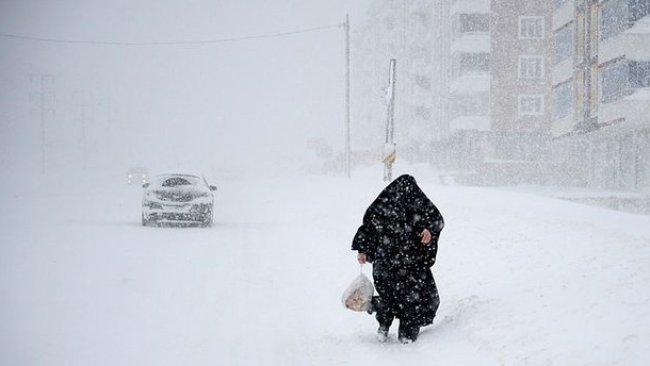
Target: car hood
{"points": [[176, 194]]}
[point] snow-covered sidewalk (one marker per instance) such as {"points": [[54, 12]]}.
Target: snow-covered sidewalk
{"points": [[523, 279], [633, 202]]}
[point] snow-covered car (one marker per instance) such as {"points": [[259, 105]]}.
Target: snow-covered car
{"points": [[177, 199]]}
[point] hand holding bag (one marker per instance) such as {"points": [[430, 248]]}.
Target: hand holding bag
{"points": [[359, 293]]}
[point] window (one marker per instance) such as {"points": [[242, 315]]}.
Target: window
{"points": [[639, 74], [563, 99], [471, 23], [638, 9], [477, 105], [471, 63], [621, 77], [614, 80], [531, 67], [564, 43], [531, 27], [616, 16], [175, 182], [613, 18], [531, 105]]}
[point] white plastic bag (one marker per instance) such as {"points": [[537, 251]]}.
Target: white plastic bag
{"points": [[358, 295]]}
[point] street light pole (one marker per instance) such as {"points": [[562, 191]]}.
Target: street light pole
{"points": [[389, 148]]}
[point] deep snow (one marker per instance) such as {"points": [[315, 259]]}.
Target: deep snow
{"points": [[523, 279]]}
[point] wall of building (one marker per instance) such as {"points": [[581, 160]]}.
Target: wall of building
{"points": [[605, 142], [506, 48]]}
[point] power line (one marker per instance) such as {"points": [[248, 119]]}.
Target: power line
{"points": [[169, 43]]}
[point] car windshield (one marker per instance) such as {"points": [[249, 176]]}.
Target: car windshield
{"points": [[177, 181]]}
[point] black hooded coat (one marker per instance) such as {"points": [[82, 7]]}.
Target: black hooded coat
{"points": [[390, 238]]}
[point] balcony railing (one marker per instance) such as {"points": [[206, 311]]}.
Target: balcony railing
{"points": [[617, 16]]}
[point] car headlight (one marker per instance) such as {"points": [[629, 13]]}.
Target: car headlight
{"points": [[201, 198], [153, 205]]}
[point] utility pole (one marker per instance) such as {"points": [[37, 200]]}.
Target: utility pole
{"points": [[347, 95], [390, 152]]}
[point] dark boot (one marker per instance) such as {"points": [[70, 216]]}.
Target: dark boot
{"points": [[384, 315], [408, 332], [382, 334]]}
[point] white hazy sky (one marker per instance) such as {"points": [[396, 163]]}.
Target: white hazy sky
{"points": [[244, 104]]}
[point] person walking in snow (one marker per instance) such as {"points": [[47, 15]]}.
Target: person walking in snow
{"points": [[399, 236]]}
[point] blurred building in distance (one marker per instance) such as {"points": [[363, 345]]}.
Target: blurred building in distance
{"points": [[601, 89]]}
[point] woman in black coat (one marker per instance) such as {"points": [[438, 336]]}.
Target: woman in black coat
{"points": [[399, 236]]}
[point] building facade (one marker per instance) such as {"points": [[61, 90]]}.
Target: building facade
{"points": [[601, 88], [462, 70], [469, 52], [558, 89], [495, 99], [398, 30], [520, 93]]}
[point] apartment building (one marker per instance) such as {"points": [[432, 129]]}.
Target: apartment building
{"points": [[469, 84], [601, 88], [398, 30], [496, 97], [462, 71], [520, 92]]}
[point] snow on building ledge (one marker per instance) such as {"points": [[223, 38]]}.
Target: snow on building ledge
{"points": [[634, 109], [478, 42], [642, 26], [563, 71], [563, 15], [564, 126], [633, 45], [639, 94]]}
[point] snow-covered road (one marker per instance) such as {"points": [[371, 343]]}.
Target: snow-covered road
{"points": [[523, 279]]}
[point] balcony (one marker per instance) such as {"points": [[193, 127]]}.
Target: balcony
{"points": [[470, 32], [470, 72], [563, 14], [471, 42], [471, 83], [631, 43]]}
